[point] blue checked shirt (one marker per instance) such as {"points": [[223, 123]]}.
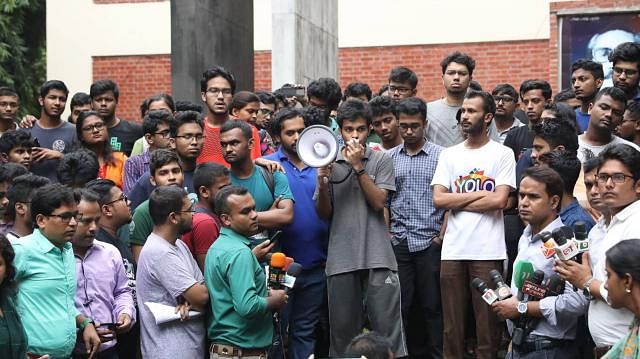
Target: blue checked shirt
{"points": [[413, 217]]}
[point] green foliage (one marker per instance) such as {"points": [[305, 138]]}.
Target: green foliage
{"points": [[23, 49]]}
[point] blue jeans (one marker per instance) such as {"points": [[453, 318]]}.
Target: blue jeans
{"points": [[302, 313]]}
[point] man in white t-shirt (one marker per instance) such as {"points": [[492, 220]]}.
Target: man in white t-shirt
{"points": [[618, 180], [473, 180], [606, 113]]}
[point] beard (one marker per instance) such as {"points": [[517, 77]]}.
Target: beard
{"points": [[185, 227]]}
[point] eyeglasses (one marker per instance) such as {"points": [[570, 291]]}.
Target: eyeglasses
{"points": [[617, 178], [8, 104], [66, 217], [190, 138], [121, 198], [413, 126], [98, 126], [400, 89], [214, 91], [504, 99], [628, 72], [266, 112], [190, 210], [87, 220], [163, 134]]}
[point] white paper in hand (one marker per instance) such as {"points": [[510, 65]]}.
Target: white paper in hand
{"points": [[165, 313]]}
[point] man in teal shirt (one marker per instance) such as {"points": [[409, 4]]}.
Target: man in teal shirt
{"points": [[46, 276], [240, 324]]}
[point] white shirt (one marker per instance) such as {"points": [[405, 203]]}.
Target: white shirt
{"points": [[502, 135], [585, 150], [475, 235], [608, 325]]}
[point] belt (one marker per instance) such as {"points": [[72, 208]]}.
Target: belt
{"points": [[601, 351], [534, 344], [231, 351]]}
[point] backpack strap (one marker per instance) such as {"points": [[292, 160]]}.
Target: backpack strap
{"points": [[269, 179]]}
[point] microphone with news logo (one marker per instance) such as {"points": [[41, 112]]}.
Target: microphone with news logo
{"points": [[277, 272], [488, 295], [567, 248], [580, 234], [548, 244], [502, 290]]}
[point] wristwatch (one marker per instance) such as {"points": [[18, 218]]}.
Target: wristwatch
{"points": [[86, 322], [522, 308], [586, 289]]}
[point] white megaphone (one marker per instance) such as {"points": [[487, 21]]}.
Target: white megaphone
{"points": [[317, 146]]}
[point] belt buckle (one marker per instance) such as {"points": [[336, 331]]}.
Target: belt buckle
{"points": [[226, 350]]}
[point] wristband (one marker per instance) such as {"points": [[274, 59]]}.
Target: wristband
{"points": [[361, 172], [86, 322]]}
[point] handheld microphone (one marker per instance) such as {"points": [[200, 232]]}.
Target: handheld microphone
{"points": [[554, 285], [529, 290], [567, 248], [293, 271], [580, 233], [288, 262], [502, 289], [548, 244], [488, 295], [276, 270], [522, 270], [533, 288]]}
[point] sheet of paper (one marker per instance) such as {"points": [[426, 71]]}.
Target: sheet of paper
{"points": [[165, 313]]}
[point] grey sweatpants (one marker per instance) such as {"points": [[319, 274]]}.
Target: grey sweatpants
{"points": [[372, 292]]}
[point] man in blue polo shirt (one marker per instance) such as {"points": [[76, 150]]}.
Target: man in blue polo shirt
{"points": [[274, 201], [305, 239]]}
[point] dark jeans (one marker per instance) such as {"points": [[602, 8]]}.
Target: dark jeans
{"points": [[419, 274], [456, 277]]}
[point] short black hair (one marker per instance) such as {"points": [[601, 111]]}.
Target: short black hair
{"points": [[475, 85], [162, 157], [266, 97], [506, 89], [241, 99], [50, 197], [595, 68], [17, 138], [326, 89], [247, 132], [564, 95], [384, 88], [87, 195], [624, 153], [563, 112], [357, 89], [79, 99], [11, 170], [352, 110], [615, 93], [488, 103], [557, 133], [542, 85], [381, 105], [53, 85], [552, 180], [186, 117], [281, 116], [403, 75], [77, 168], [217, 71], [371, 345], [188, 106], [568, 167], [206, 174], [313, 116], [590, 164], [221, 200], [165, 200], [626, 51], [102, 187], [156, 117], [22, 189], [459, 58], [8, 255], [412, 106], [634, 110], [101, 87], [8, 91]]}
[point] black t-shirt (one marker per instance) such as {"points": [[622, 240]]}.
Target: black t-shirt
{"points": [[519, 140], [123, 135]]}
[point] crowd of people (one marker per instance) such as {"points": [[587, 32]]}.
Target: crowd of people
{"points": [[121, 240]]}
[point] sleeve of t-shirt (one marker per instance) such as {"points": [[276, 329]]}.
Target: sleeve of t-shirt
{"points": [[281, 186], [142, 227], [385, 175], [173, 273], [441, 175], [246, 300], [21, 259], [506, 174], [203, 234]]}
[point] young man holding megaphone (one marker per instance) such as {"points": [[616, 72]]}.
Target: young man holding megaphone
{"points": [[361, 268]]}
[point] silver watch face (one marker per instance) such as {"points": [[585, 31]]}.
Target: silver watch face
{"points": [[522, 307]]}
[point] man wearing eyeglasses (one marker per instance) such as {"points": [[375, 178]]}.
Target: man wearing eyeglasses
{"points": [[506, 98], [629, 129], [46, 277], [618, 180], [626, 69], [402, 83], [103, 293]]}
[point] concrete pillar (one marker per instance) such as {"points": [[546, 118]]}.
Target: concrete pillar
{"points": [[304, 41], [206, 33]]}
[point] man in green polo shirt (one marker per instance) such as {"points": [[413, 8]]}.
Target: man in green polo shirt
{"points": [[240, 324], [46, 277]]}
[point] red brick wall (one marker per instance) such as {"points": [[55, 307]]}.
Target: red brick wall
{"points": [[138, 78], [262, 70]]}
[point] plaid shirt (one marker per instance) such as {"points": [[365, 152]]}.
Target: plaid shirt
{"points": [[134, 168], [413, 216]]}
